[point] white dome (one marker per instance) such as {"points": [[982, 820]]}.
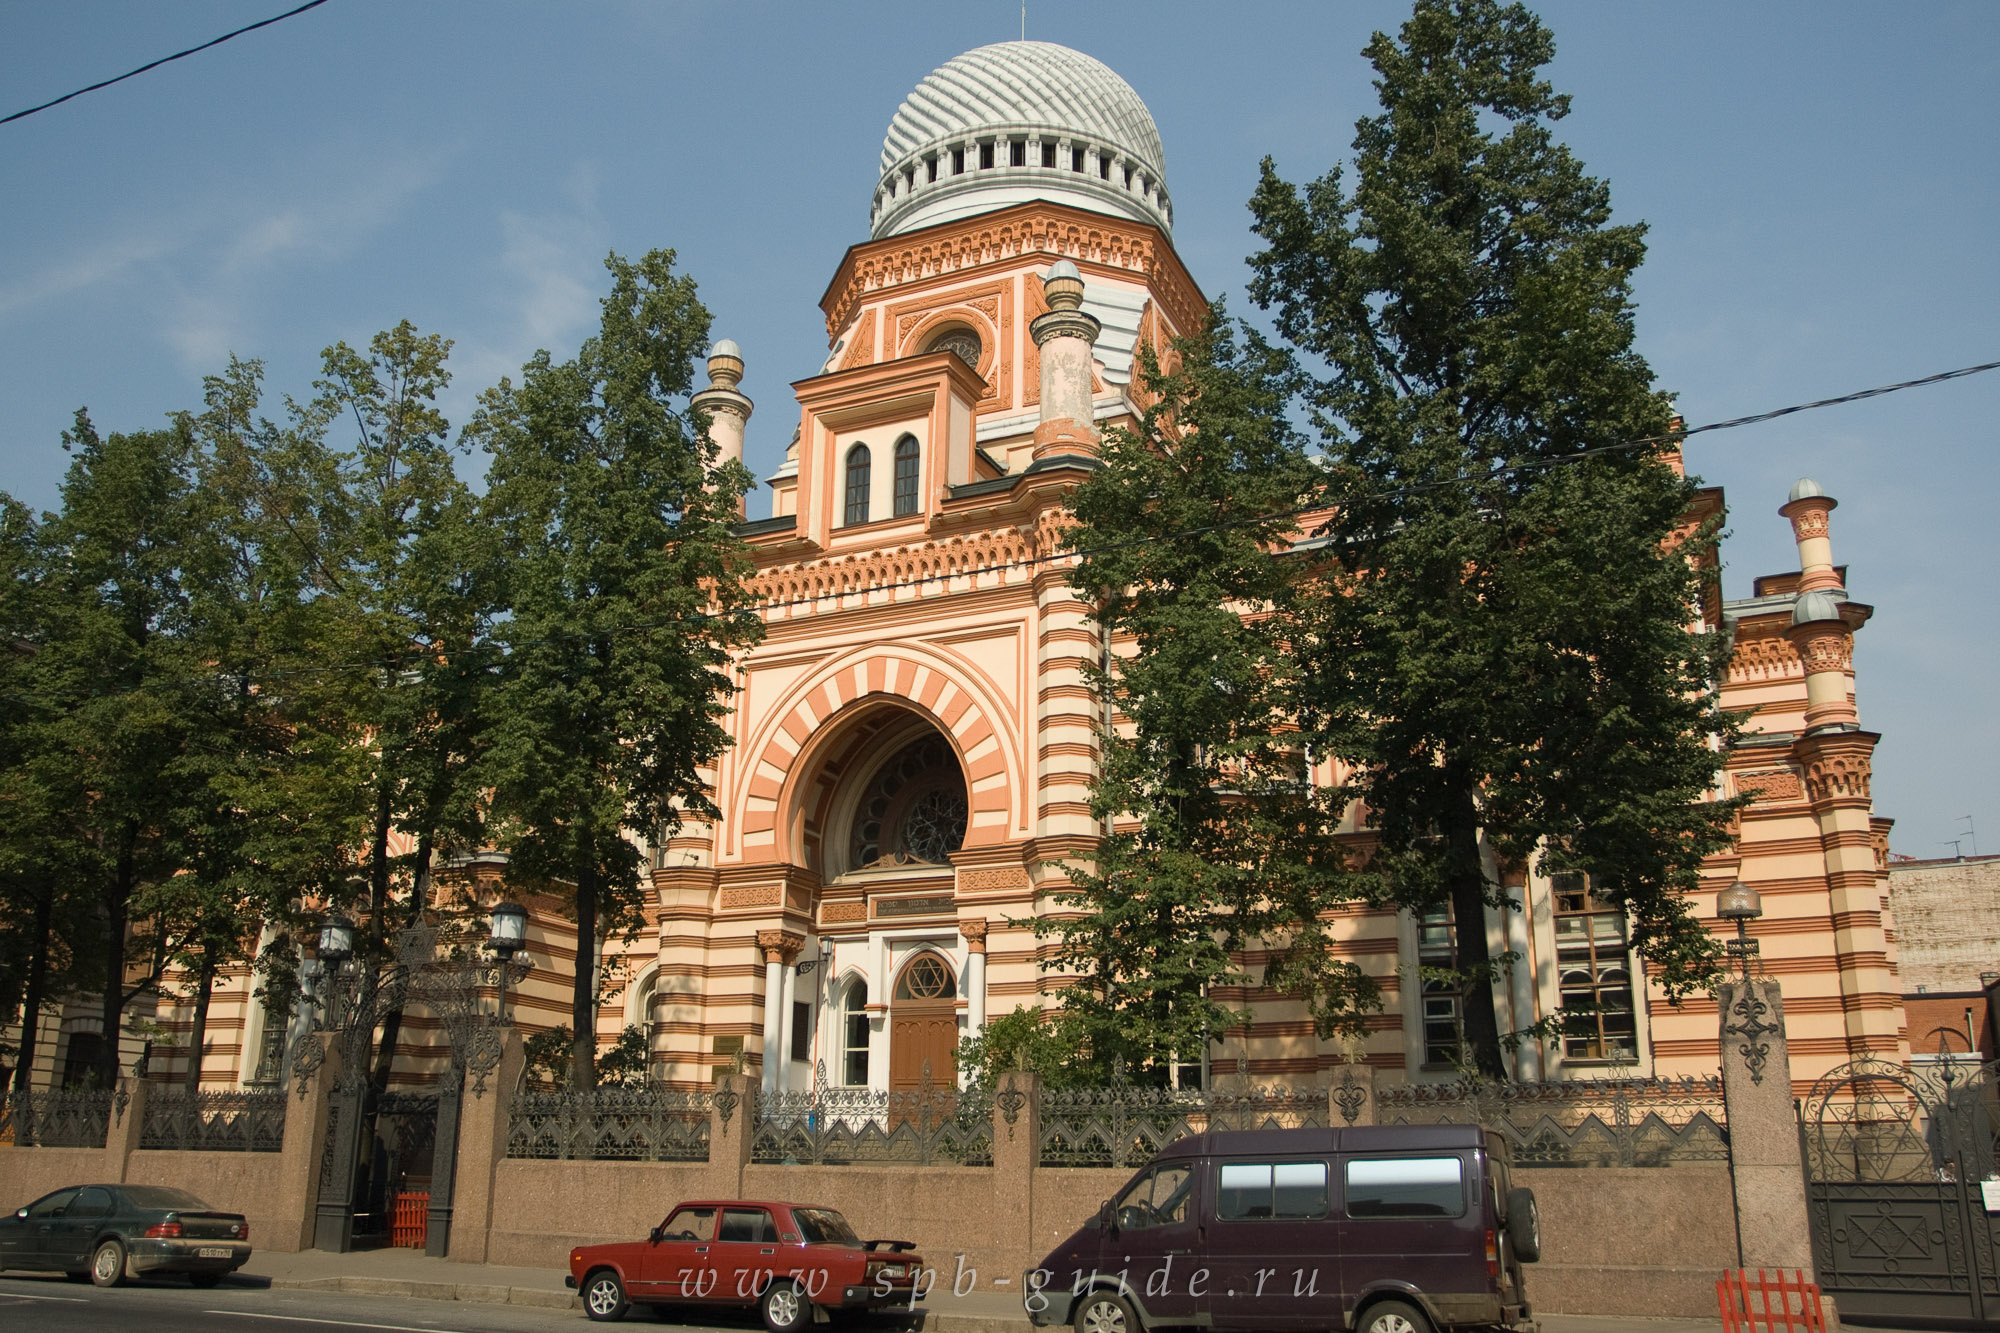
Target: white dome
{"points": [[1017, 121]]}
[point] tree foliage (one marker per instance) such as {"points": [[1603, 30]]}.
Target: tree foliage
{"points": [[624, 600], [1218, 838], [1500, 648]]}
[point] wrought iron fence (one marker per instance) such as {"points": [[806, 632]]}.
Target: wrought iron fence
{"points": [[214, 1121], [929, 1125], [56, 1118], [1125, 1126], [1578, 1122], [1870, 1121], [612, 1124]]}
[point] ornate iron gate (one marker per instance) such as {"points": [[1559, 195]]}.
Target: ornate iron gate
{"points": [[1894, 1159]]}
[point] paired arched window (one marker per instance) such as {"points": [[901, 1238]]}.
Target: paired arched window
{"points": [[854, 1035], [858, 475], [906, 476]]}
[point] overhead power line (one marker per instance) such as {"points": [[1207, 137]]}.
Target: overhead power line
{"points": [[1007, 566], [265, 23]]}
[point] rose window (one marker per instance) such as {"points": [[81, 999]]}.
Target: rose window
{"points": [[963, 343], [914, 811]]}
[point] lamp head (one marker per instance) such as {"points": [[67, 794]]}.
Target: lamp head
{"points": [[507, 928], [1739, 902], [336, 940]]}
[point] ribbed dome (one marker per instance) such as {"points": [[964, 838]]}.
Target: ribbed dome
{"points": [[1017, 121]]}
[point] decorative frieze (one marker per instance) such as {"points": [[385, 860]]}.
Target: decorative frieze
{"points": [[1772, 784]]}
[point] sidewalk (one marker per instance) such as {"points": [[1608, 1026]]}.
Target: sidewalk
{"points": [[413, 1275]]}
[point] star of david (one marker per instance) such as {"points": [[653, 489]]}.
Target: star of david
{"points": [[1892, 1236]]}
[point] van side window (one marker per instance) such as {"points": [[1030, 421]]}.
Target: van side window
{"points": [[1406, 1187], [1157, 1199], [1256, 1190]]}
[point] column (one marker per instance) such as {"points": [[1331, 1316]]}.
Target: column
{"points": [[780, 948], [315, 1071], [1017, 1144], [1767, 1170], [974, 931], [728, 410], [484, 1123], [128, 1121], [1065, 336]]}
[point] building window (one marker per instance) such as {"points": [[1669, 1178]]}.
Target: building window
{"points": [[80, 1059], [927, 978], [1048, 154], [802, 1031], [930, 169], [985, 156], [1076, 159], [1017, 153], [1444, 1002], [960, 340], [857, 484], [1593, 959], [906, 476], [854, 1036], [958, 161], [914, 811]]}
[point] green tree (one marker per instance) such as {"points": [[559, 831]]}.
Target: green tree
{"points": [[115, 688], [624, 600], [1219, 840], [1504, 650]]}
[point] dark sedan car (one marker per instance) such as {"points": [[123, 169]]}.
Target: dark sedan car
{"points": [[106, 1232]]}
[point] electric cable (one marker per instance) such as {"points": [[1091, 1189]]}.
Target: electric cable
{"points": [[163, 60], [1008, 566]]}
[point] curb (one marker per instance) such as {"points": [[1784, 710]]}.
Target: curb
{"points": [[482, 1293]]}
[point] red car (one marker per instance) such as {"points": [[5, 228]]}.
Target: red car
{"points": [[783, 1258]]}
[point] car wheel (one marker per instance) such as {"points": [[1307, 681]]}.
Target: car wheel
{"points": [[204, 1279], [604, 1296], [107, 1264], [1524, 1225], [1102, 1312], [785, 1307], [1395, 1317]]}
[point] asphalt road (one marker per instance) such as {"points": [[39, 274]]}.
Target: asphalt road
{"points": [[169, 1306]]}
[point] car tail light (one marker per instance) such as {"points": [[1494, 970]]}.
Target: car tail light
{"points": [[164, 1231], [241, 1231], [1492, 1255]]}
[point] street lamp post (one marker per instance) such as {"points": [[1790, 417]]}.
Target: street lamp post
{"points": [[507, 931], [1742, 904]]}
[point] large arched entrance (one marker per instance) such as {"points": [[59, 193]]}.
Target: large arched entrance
{"points": [[923, 1025]]}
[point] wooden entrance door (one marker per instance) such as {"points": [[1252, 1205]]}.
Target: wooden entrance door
{"points": [[923, 1025]]}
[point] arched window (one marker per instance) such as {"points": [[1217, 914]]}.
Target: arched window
{"points": [[906, 476], [926, 978], [961, 340], [854, 1035], [914, 811], [857, 484]]}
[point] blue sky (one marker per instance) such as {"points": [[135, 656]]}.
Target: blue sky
{"points": [[1821, 180]]}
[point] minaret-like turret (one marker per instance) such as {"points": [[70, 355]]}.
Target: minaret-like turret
{"points": [[1065, 336], [1808, 508], [728, 410]]}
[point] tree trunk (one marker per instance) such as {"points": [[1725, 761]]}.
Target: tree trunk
{"points": [[198, 1038], [115, 898], [583, 995], [38, 980], [392, 1022], [1467, 881]]}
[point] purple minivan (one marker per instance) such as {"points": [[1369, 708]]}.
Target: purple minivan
{"points": [[1375, 1228]]}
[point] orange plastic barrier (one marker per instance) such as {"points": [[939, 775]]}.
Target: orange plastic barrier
{"points": [[1766, 1304], [409, 1220]]}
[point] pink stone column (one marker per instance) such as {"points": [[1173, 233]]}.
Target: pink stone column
{"points": [[484, 1120], [1017, 1148], [128, 1120], [732, 1123], [313, 1079]]}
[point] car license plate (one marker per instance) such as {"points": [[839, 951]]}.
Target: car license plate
{"points": [[894, 1270], [211, 1252]]}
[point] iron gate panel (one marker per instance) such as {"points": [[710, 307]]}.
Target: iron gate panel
{"points": [[1894, 1160]]}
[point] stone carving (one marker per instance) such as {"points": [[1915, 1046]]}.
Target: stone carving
{"points": [[1011, 1101], [1839, 775], [766, 895], [1828, 652], [929, 565], [992, 880], [780, 946], [1762, 657], [1350, 1095], [1809, 524], [973, 928], [861, 351], [831, 912], [1043, 230], [1773, 784]]}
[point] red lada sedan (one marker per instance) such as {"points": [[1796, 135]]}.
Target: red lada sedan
{"points": [[783, 1258]]}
